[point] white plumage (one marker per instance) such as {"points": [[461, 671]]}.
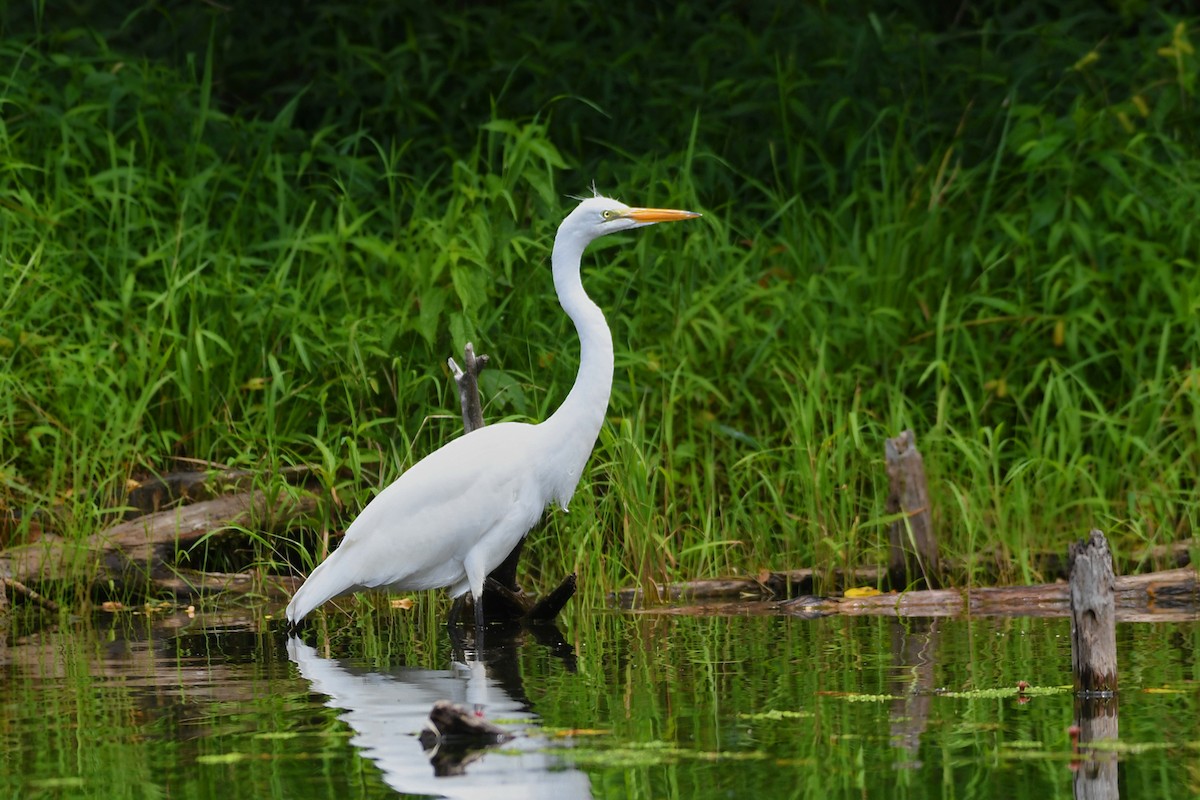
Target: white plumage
{"points": [[455, 515]]}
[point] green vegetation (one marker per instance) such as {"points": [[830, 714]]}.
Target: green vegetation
{"points": [[254, 240]]}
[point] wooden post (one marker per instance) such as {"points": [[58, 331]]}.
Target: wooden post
{"points": [[913, 547], [1093, 617], [1094, 664]]}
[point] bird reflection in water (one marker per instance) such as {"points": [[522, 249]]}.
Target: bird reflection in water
{"points": [[388, 710]]}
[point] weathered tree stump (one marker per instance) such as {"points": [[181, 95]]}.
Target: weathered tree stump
{"points": [[1093, 617], [913, 551], [1094, 665]]}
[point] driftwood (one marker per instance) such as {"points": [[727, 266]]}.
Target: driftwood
{"points": [[144, 553], [913, 551]]}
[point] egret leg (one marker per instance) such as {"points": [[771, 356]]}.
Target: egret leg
{"points": [[479, 626], [477, 572]]}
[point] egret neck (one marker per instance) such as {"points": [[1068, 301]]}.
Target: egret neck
{"points": [[572, 430]]}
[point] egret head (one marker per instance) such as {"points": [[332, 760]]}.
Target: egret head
{"points": [[597, 216]]}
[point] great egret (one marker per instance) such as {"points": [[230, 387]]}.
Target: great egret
{"points": [[455, 515]]}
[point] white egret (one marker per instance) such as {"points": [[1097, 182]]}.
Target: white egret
{"points": [[455, 515]]}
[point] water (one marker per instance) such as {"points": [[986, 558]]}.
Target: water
{"points": [[161, 705]]}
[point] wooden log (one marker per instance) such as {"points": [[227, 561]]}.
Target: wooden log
{"points": [[1171, 595], [165, 491], [128, 556], [913, 551], [765, 585], [1093, 617], [196, 583]]}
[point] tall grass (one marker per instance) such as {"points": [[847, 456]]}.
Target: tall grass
{"points": [[984, 230]]}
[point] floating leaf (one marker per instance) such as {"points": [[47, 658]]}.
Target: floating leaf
{"points": [[222, 758], [65, 782], [776, 715]]}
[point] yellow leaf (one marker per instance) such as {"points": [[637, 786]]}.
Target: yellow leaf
{"points": [[862, 591], [404, 603]]}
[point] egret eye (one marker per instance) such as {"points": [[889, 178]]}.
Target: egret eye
{"points": [[609, 214]]}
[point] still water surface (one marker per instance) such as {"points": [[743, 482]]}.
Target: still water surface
{"points": [[631, 706]]}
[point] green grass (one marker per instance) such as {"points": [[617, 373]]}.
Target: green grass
{"points": [[224, 240]]}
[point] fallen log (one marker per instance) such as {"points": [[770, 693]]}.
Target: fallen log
{"points": [[161, 492], [1158, 596], [131, 556], [197, 583], [764, 585]]}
